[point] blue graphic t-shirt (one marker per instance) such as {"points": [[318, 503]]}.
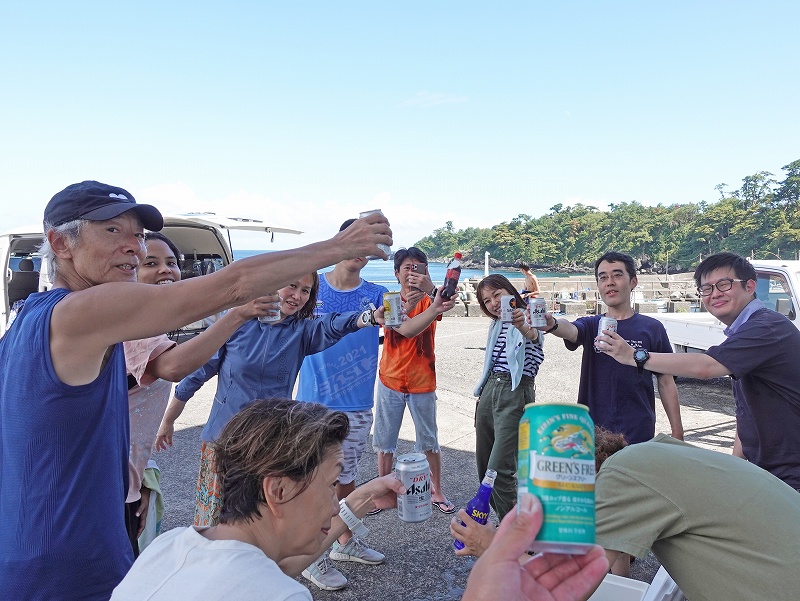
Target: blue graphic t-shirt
{"points": [[342, 377]]}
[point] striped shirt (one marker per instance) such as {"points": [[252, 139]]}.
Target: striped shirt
{"points": [[534, 355]]}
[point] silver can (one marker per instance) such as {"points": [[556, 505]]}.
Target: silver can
{"points": [[507, 305], [537, 308], [384, 247], [392, 309], [414, 472], [606, 323]]}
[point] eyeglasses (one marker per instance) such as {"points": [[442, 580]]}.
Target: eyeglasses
{"points": [[722, 285]]}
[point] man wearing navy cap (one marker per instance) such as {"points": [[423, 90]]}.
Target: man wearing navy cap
{"points": [[63, 386]]}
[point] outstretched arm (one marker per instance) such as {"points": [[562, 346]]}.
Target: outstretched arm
{"points": [[417, 324], [180, 361], [566, 329], [85, 323], [689, 365]]}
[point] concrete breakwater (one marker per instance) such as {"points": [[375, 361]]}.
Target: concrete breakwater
{"points": [[578, 295]]}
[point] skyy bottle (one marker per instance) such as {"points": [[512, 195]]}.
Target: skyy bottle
{"points": [[478, 507]]}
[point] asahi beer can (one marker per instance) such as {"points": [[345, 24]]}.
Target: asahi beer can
{"points": [[414, 472], [384, 247], [507, 305], [606, 323], [537, 307], [272, 318], [556, 463], [392, 309]]}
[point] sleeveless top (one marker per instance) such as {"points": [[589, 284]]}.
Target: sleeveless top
{"points": [[63, 468]]}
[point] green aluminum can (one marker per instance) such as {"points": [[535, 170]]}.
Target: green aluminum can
{"points": [[556, 463]]}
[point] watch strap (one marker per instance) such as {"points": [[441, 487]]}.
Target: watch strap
{"points": [[355, 525], [553, 329], [640, 362]]}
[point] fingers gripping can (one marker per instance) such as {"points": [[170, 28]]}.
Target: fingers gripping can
{"points": [[392, 309], [275, 317], [384, 247], [414, 472], [606, 323], [556, 463], [507, 305], [538, 310]]}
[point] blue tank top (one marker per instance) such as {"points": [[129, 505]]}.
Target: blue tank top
{"points": [[63, 468]]}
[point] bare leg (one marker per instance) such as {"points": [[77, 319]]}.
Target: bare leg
{"points": [[435, 461], [385, 461], [342, 490], [622, 567]]}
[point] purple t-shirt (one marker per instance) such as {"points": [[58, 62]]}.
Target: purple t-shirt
{"points": [[619, 398], [762, 358]]}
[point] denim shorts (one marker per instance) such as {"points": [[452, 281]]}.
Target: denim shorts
{"points": [[389, 409], [353, 445]]}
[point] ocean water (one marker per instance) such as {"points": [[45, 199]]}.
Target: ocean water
{"points": [[382, 272]]}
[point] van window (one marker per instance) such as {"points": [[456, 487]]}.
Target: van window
{"points": [[13, 262], [773, 290]]}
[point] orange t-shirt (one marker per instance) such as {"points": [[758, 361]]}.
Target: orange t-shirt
{"points": [[409, 364]]}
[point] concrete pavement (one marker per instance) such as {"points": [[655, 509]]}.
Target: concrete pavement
{"points": [[420, 564]]}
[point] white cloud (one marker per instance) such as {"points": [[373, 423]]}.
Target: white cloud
{"points": [[426, 99], [317, 219]]}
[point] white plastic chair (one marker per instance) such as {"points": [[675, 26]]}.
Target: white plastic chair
{"points": [[617, 588], [663, 588]]}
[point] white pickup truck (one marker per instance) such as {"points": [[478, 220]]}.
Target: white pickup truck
{"points": [[777, 286], [202, 238]]}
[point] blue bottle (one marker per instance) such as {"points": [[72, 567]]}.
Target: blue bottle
{"points": [[478, 507]]}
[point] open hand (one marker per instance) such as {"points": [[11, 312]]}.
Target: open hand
{"points": [[546, 577]]}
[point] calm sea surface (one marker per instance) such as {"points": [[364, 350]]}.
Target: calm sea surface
{"points": [[382, 272]]}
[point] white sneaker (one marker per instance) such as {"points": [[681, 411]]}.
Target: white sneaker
{"points": [[355, 550], [324, 575]]}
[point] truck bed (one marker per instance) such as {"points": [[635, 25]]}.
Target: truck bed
{"points": [[691, 332]]}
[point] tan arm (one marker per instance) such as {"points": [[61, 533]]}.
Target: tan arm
{"points": [[668, 392], [86, 323]]}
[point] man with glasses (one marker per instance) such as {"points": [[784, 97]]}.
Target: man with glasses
{"points": [[760, 354]]}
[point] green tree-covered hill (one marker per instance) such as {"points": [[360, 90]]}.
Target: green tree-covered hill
{"points": [[761, 219]]}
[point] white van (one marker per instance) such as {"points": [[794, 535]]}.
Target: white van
{"points": [[203, 239]]}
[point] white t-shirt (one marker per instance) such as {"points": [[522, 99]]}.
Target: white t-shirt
{"points": [[182, 564]]}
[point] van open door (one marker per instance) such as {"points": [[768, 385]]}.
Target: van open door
{"points": [[203, 239]]}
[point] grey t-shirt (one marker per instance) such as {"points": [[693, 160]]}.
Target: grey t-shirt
{"points": [[722, 527]]}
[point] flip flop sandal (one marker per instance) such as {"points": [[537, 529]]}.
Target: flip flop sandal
{"points": [[445, 507]]}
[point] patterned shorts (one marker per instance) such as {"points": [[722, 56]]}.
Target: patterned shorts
{"points": [[354, 444], [209, 500]]}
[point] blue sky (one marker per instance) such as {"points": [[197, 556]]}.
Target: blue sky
{"points": [[305, 113]]}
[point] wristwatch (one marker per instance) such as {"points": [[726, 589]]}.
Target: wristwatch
{"points": [[366, 318], [355, 525], [641, 357], [553, 329]]}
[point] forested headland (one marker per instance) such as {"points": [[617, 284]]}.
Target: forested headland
{"points": [[760, 219]]}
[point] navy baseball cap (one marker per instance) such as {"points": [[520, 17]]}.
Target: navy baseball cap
{"points": [[97, 202]]}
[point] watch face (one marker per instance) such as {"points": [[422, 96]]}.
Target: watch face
{"points": [[641, 355]]}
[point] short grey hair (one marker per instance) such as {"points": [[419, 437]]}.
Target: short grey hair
{"points": [[71, 231]]}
